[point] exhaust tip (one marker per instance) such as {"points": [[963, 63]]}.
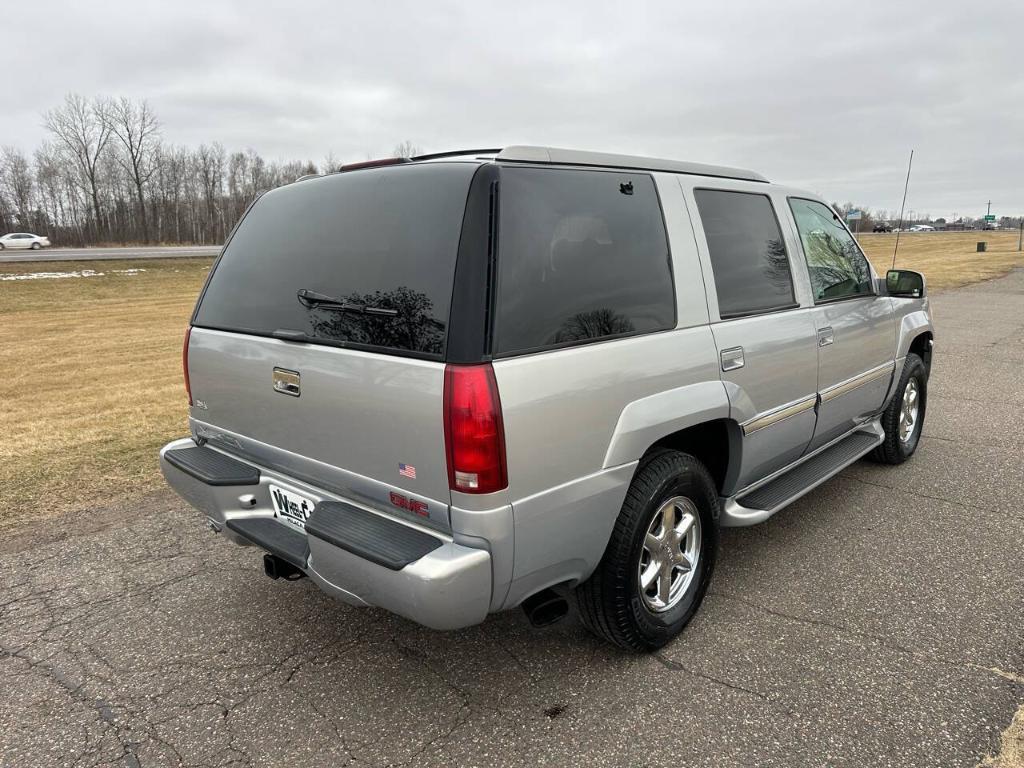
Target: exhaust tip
{"points": [[545, 608]]}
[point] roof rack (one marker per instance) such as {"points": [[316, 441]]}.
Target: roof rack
{"points": [[556, 156]]}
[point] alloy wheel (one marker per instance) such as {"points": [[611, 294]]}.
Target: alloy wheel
{"points": [[909, 410], [670, 552]]}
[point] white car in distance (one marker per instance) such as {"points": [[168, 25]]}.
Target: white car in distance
{"points": [[24, 240]]}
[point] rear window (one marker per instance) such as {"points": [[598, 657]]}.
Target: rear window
{"points": [[582, 256], [382, 242]]}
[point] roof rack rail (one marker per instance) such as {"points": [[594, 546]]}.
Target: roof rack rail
{"points": [[456, 153], [556, 156]]}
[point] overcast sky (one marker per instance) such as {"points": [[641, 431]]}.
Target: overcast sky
{"points": [[825, 95]]}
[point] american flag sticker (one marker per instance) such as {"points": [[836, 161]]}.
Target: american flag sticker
{"points": [[407, 470]]}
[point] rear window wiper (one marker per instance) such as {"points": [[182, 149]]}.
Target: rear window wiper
{"points": [[313, 299]]}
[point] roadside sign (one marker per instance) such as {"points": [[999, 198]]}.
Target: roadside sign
{"points": [[990, 217], [853, 215]]}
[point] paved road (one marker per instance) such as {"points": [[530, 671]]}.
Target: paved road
{"points": [[106, 254], [877, 622]]}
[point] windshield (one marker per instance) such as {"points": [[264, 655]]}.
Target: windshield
{"points": [[385, 238]]}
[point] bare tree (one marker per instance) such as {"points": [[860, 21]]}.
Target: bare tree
{"points": [[83, 131], [137, 129], [210, 160], [407, 149], [17, 183], [107, 176]]}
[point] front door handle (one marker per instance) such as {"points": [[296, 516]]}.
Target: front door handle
{"points": [[732, 358], [825, 336]]}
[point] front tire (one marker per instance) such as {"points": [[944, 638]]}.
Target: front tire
{"points": [[658, 563], [903, 418]]}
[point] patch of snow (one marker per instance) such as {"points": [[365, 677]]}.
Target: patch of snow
{"points": [[63, 275], [51, 275]]}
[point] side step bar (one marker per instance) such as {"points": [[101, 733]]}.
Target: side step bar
{"points": [[758, 504]]}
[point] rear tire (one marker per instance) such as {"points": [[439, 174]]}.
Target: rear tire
{"points": [[903, 418], [36, 246], [613, 603]]}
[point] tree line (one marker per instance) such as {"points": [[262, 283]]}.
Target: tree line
{"points": [[105, 175], [911, 217]]}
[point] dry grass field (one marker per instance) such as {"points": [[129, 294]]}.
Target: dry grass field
{"points": [[947, 259], [92, 380], [92, 384]]}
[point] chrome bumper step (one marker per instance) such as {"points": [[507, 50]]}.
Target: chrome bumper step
{"points": [[356, 555], [274, 537], [371, 537], [212, 467]]}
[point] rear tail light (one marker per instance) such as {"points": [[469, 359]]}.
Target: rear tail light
{"points": [[184, 364], [473, 432]]}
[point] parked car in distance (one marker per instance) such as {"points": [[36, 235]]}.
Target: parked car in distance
{"points": [[24, 240], [521, 377], [882, 226]]}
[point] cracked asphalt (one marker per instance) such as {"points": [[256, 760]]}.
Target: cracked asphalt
{"points": [[876, 622]]}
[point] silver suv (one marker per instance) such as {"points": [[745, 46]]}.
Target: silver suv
{"points": [[468, 382]]}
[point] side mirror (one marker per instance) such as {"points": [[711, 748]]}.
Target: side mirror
{"points": [[905, 283]]}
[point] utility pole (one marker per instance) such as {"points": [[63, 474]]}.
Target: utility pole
{"points": [[989, 211]]}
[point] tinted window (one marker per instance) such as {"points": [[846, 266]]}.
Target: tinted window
{"points": [[747, 252], [582, 255], [384, 239], [836, 265]]}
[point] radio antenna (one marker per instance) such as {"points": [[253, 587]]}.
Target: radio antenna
{"points": [[899, 228]]}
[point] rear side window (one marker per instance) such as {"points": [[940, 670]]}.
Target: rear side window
{"points": [[383, 242], [748, 255], [582, 256], [837, 268]]}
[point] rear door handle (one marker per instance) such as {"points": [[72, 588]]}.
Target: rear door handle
{"points": [[825, 336], [732, 358], [287, 382]]}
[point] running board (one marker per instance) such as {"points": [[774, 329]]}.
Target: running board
{"points": [[757, 505]]}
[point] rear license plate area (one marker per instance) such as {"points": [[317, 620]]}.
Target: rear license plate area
{"points": [[291, 508]]}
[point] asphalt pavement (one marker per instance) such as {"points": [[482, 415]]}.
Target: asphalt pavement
{"points": [[876, 622], [107, 254]]}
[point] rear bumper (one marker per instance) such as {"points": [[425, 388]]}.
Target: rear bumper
{"points": [[438, 583]]}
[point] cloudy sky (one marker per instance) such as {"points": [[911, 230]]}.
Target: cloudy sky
{"points": [[825, 95]]}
